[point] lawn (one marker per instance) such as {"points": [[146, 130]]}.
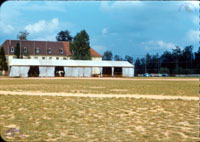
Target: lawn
{"points": [[63, 119], [149, 87]]}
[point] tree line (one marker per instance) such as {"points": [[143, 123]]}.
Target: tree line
{"points": [[108, 56], [177, 61]]}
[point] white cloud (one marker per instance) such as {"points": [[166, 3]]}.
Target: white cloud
{"points": [[7, 29], [119, 5], [99, 48], [46, 38], [193, 35], [156, 45], [104, 31], [42, 26], [195, 3]]}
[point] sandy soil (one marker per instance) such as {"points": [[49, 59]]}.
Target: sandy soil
{"points": [[137, 96], [107, 78]]}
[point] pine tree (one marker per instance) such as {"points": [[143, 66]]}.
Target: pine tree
{"points": [[3, 63], [17, 50]]}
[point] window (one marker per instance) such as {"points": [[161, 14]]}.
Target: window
{"points": [[6, 58], [12, 50], [25, 50], [36, 57], [37, 50], [50, 58], [49, 51], [61, 51], [43, 58], [64, 58], [57, 58]]}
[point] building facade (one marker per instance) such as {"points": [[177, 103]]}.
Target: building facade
{"points": [[42, 50]]}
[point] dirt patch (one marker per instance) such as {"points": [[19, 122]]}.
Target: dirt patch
{"points": [[107, 78], [137, 96], [119, 90], [96, 87]]}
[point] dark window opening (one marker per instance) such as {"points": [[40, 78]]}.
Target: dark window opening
{"points": [[59, 72], [12, 50], [25, 50], [118, 71], [33, 71], [49, 51], [37, 50], [61, 51], [107, 71]]}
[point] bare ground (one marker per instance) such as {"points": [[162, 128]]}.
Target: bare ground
{"points": [[106, 78], [137, 96]]}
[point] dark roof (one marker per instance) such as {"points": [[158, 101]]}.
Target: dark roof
{"points": [[43, 46]]}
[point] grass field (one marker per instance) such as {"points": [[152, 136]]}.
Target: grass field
{"points": [[78, 119], [92, 119], [150, 87]]}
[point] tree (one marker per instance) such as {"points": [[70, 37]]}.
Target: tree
{"points": [[22, 35], [147, 65], [118, 58], [137, 67], [167, 61], [187, 57], [3, 63], [129, 59], [17, 50], [80, 47], [197, 61], [64, 36], [107, 55], [164, 70]]}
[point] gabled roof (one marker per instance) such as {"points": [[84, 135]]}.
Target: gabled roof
{"points": [[43, 46]]}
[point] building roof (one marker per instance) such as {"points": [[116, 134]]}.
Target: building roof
{"points": [[43, 46], [70, 63]]}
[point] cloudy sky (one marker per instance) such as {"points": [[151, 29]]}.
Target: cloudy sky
{"points": [[125, 28]]}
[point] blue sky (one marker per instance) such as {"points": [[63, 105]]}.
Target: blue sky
{"points": [[125, 28]]}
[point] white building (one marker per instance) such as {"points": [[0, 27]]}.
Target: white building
{"points": [[69, 68]]}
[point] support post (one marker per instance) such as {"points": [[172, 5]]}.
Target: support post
{"points": [[112, 71], [101, 71]]}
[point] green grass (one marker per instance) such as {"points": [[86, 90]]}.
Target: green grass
{"points": [[95, 119], [152, 87]]}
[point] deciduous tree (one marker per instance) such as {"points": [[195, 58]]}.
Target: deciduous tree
{"points": [[22, 35], [64, 36], [80, 47], [107, 55]]}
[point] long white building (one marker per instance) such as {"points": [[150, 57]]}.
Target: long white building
{"points": [[69, 68]]}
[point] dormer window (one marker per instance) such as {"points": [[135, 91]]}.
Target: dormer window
{"points": [[61, 51], [49, 51], [25, 50], [37, 50], [12, 50]]}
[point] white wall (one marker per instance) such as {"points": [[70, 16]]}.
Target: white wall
{"points": [[96, 70]]}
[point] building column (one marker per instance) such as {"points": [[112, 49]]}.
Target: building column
{"points": [[101, 71], [112, 71]]}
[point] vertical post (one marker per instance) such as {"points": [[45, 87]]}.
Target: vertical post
{"points": [[101, 71], [112, 71]]}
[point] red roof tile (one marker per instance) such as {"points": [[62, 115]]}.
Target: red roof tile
{"points": [[43, 46]]}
